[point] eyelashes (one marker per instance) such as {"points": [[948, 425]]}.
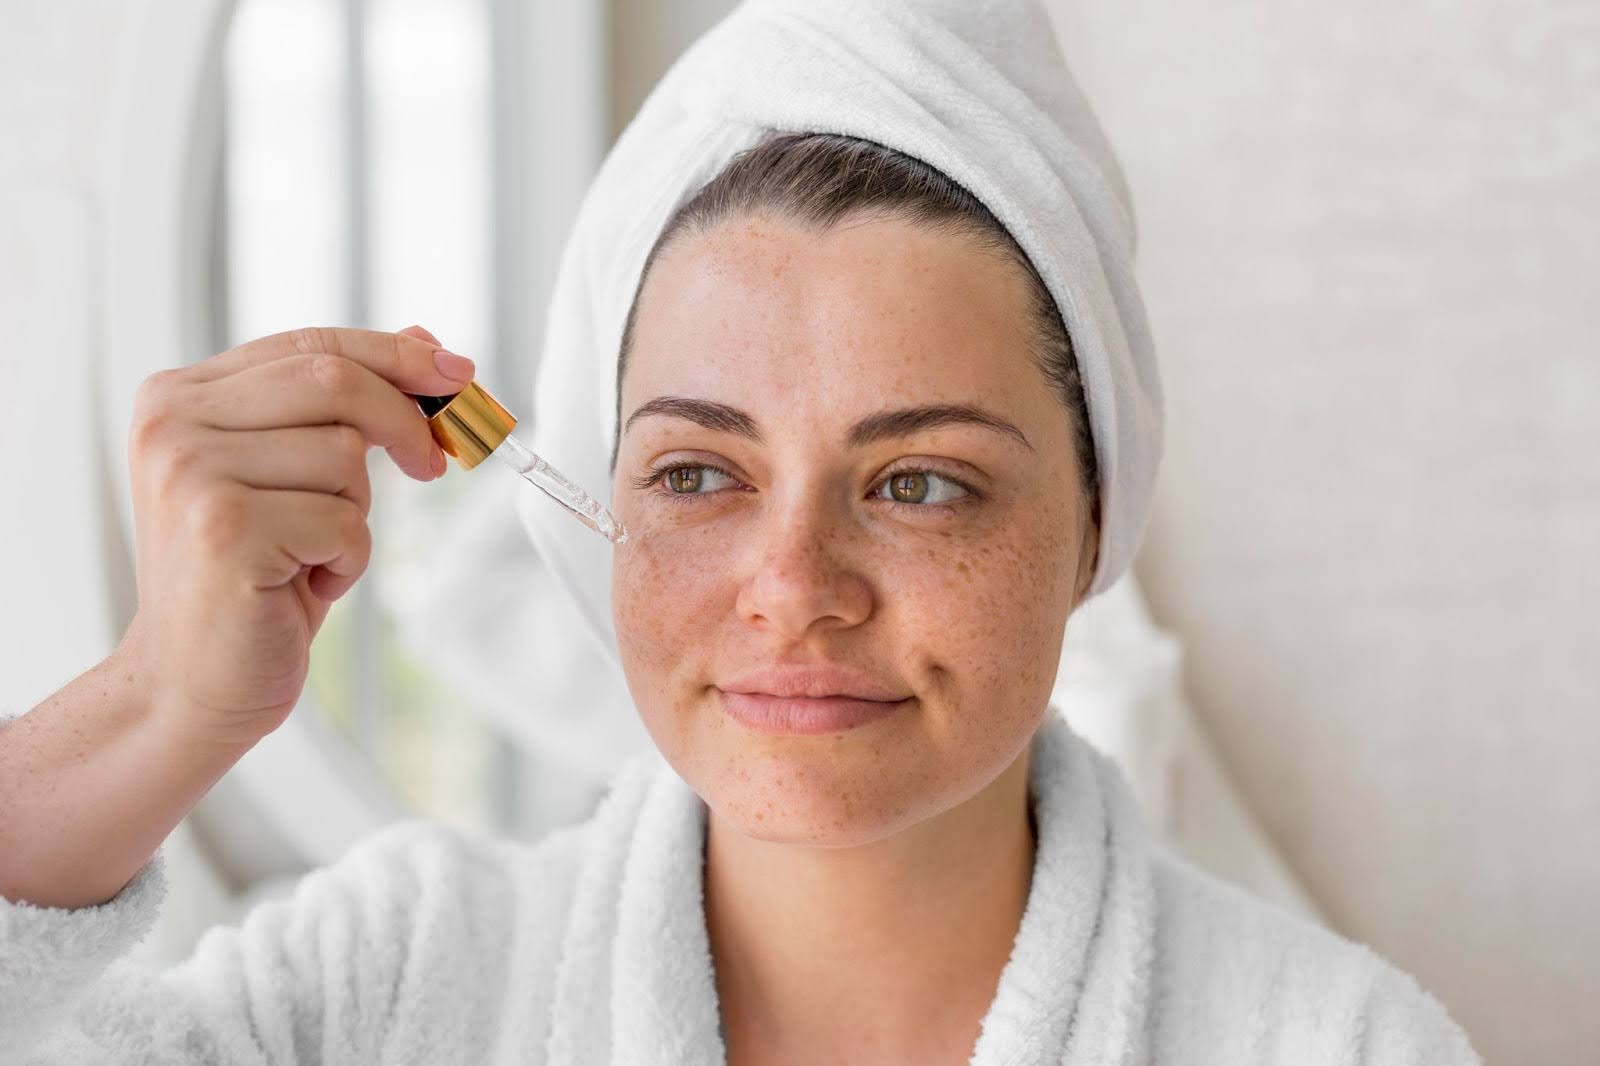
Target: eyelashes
{"points": [[658, 477], [654, 481]]}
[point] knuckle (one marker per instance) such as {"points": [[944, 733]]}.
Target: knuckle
{"points": [[360, 494], [356, 488], [155, 387], [155, 392], [309, 339], [154, 408], [353, 527], [349, 445], [148, 429], [179, 458], [217, 519], [331, 373]]}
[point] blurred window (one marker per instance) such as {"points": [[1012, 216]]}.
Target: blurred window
{"points": [[359, 190]]}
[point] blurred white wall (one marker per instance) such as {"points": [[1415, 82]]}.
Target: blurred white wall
{"points": [[1370, 246]]}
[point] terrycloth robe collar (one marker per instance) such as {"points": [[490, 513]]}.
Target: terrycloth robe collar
{"points": [[636, 982]]}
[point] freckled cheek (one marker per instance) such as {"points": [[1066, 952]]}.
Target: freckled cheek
{"points": [[987, 613], [661, 585]]}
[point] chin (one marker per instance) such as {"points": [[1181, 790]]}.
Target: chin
{"points": [[822, 825], [812, 792], [834, 789]]}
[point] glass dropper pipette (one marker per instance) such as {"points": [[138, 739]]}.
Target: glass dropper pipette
{"points": [[472, 425]]}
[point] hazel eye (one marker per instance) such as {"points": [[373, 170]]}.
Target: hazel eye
{"points": [[920, 487], [688, 480]]}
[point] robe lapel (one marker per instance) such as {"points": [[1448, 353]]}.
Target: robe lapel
{"points": [[664, 1007], [1050, 1006], [636, 984]]}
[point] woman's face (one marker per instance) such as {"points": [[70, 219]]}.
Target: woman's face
{"points": [[936, 560]]}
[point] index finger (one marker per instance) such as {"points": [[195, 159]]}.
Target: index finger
{"points": [[404, 360]]}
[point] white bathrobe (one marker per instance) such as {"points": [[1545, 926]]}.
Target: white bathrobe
{"points": [[430, 945]]}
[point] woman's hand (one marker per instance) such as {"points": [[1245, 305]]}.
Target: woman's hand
{"points": [[250, 501], [250, 498]]}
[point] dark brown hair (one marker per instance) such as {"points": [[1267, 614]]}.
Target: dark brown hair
{"points": [[817, 179]]}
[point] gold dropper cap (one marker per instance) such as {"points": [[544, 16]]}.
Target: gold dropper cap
{"points": [[468, 425]]}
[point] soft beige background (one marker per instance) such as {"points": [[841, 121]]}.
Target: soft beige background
{"points": [[1370, 245], [1371, 253]]}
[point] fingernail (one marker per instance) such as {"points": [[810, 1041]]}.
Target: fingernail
{"points": [[453, 366], [440, 465]]}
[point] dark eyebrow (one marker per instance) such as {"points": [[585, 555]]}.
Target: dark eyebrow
{"points": [[708, 413], [904, 421], [882, 425]]}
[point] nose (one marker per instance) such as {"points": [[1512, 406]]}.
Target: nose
{"points": [[803, 579]]}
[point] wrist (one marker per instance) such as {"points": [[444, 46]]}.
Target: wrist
{"points": [[172, 721]]}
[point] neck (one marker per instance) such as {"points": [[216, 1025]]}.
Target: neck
{"points": [[891, 949]]}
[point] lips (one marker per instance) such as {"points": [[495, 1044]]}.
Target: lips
{"points": [[803, 715], [809, 698], [814, 681]]}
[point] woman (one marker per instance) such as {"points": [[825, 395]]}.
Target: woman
{"points": [[869, 471]]}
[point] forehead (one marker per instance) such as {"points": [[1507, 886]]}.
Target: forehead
{"points": [[763, 309]]}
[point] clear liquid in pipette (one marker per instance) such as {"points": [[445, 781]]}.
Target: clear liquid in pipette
{"points": [[586, 508]]}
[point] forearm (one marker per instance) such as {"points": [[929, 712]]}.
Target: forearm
{"points": [[91, 782]]}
